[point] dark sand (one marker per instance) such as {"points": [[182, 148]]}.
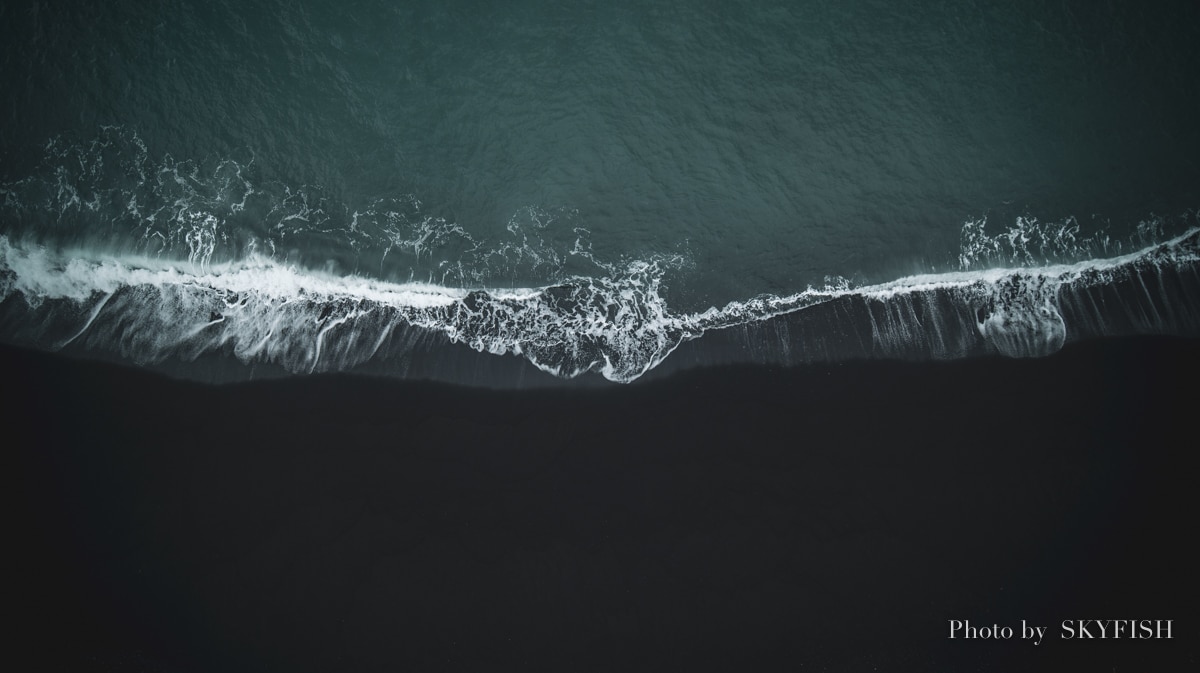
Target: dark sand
{"points": [[819, 518]]}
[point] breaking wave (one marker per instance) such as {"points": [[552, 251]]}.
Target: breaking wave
{"points": [[106, 251], [258, 310]]}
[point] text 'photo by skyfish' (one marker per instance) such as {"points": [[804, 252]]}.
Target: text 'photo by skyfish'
{"points": [[462, 335]]}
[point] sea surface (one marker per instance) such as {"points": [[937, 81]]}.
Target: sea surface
{"points": [[280, 187]]}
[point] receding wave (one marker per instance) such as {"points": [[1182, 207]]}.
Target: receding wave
{"points": [[258, 310]]}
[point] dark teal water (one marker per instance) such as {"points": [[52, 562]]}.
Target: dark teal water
{"points": [[739, 148]]}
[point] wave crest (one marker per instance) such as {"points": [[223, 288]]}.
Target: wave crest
{"points": [[257, 310]]}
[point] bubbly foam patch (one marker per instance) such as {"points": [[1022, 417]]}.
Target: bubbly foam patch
{"points": [[1022, 319]]}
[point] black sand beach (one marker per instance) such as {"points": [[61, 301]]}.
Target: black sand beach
{"points": [[817, 518]]}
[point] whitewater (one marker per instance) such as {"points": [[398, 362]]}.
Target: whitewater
{"points": [[258, 310]]}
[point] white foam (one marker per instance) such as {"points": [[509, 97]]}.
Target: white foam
{"points": [[283, 314], [263, 311], [197, 283]]}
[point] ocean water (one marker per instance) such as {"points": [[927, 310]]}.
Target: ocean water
{"points": [[523, 193]]}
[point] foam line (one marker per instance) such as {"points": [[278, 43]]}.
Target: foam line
{"points": [[261, 311], [91, 318]]}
